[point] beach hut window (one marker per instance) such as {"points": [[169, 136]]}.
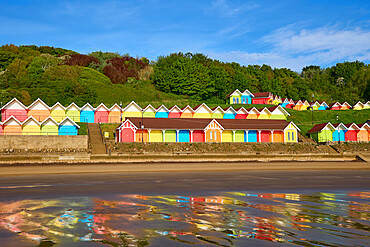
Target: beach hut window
{"points": [[237, 100], [210, 135], [215, 136], [288, 136], [292, 136]]}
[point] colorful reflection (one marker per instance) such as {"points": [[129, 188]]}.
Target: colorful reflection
{"points": [[226, 219]]}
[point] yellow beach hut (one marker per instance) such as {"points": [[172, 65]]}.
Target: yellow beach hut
{"points": [[131, 110], [264, 113], [39, 110], [291, 133], [12, 126], [297, 105], [31, 127], [358, 106], [367, 105], [305, 106], [58, 112], [202, 111], [115, 114], [49, 127]]}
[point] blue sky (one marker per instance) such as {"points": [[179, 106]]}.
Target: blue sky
{"points": [[280, 33]]}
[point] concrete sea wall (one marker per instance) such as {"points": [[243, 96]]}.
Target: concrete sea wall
{"points": [[44, 142]]}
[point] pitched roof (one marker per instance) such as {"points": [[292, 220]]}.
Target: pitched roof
{"points": [[201, 123], [38, 101], [16, 100], [273, 108], [67, 119], [76, 106], [236, 90], [56, 105], [319, 127]]}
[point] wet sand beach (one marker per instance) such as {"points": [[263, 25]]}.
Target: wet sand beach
{"points": [[76, 168]]}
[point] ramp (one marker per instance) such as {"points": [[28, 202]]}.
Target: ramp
{"points": [[96, 139]]}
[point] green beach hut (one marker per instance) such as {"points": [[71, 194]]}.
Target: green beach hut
{"points": [[149, 111], [49, 127], [73, 112], [322, 132]]}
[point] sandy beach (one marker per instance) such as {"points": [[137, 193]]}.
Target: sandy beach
{"points": [[75, 168]]}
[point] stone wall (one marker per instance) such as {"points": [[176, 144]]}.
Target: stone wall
{"points": [[44, 142]]}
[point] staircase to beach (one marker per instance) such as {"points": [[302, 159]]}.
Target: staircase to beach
{"points": [[96, 139]]}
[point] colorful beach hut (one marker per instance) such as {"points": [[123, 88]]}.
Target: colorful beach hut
{"points": [[322, 132], [323, 106], [68, 127], [1, 129], [218, 112], [290, 105], [230, 113], [87, 113], [363, 135], [12, 126], [149, 111], [262, 98], [115, 114], [351, 133], [31, 127], [187, 112], [58, 112], [39, 110], [358, 106], [278, 112], [367, 105], [49, 127], [335, 106], [253, 113], [202, 111], [264, 113], [246, 97], [162, 112], [213, 131], [14, 108], [345, 106], [126, 132], [73, 112], [315, 105], [339, 133], [132, 110], [234, 97], [174, 112], [241, 113], [101, 114], [298, 105], [284, 102]]}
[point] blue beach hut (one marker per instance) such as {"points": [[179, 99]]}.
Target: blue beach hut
{"points": [[246, 97], [68, 127], [323, 106], [230, 113], [162, 112], [339, 133], [252, 136], [184, 136], [87, 114]]}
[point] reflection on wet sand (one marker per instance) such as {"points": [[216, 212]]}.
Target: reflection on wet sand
{"points": [[232, 218]]}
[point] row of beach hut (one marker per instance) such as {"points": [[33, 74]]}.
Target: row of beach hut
{"points": [[30, 126], [116, 114], [206, 130], [339, 132], [246, 97]]}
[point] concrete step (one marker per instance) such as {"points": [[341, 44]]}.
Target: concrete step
{"points": [[96, 139]]}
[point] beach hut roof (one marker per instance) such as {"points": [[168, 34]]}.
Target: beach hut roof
{"points": [[12, 118], [263, 95], [87, 106], [345, 103], [149, 108], [352, 125], [364, 126], [218, 108], [56, 105], [320, 127], [124, 123], [175, 108], [102, 106], [49, 119], [247, 92], [162, 108], [132, 104], [339, 125], [278, 108], [30, 119], [298, 102], [202, 106], [187, 108], [241, 110], [236, 91], [230, 109], [70, 121], [359, 104], [14, 100], [115, 107], [38, 101], [334, 104], [73, 106], [253, 110], [264, 110]]}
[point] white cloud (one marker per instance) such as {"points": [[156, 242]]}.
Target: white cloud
{"points": [[296, 49], [226, 9]]}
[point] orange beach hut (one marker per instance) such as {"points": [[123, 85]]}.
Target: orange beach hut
{"points": [[39, 110], [12, 126]]}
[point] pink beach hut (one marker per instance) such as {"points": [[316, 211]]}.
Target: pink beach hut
{"points": [[14, 108], [101, 114], [174, 112]]}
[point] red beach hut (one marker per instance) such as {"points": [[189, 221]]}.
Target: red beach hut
{"points": [[14, 108], [174, 112], [101, 114], [351, 134]]}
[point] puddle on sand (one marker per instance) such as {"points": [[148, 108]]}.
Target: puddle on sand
{"points": [[223, 219]]}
